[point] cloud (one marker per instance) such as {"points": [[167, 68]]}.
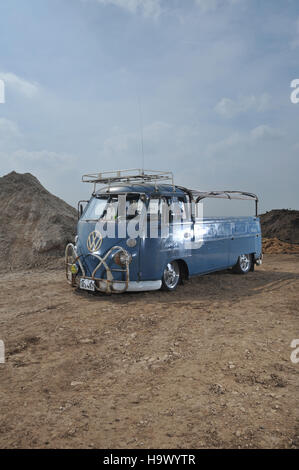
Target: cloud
{"points": [[265, 132], [208, 5], [8, 128], [153, 8], [36, 162], [238, 140], [156, 130], [147, 8], [20, 85], [41, 156], [295, 42], [229, 108], [14, 151], [10, 136], [129, 143]]}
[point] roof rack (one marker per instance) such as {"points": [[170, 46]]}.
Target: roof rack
{"points": [[135, 175]]}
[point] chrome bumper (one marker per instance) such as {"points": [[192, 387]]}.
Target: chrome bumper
{"points": [[108, 285], [259, 261]]}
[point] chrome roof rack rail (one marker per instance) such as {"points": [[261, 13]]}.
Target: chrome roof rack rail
{"points": [[135, 175], [240, 195]]}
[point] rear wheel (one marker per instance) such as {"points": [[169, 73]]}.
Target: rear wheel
{"points": [[244, 264], [171, 276]]}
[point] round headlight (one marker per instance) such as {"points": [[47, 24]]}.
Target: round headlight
{"points": [[121, 258], [125, 258]]}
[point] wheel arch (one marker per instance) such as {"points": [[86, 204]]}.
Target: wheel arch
{"points": [[184, 270]]}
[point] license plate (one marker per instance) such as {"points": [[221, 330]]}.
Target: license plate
{"points": [[87, 284]]}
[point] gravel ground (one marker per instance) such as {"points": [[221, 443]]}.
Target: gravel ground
{"points": [[206, 366]]}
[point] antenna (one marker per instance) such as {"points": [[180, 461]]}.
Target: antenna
{"points": [[141, 132]]}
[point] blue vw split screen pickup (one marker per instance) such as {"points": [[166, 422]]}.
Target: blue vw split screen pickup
{"points": [[141, 232]]}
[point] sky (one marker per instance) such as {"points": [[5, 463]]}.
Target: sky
{"points": [[206, 82]]}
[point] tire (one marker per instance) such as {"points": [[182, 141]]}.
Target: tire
{"points": [[171, 276], [244, 264]]}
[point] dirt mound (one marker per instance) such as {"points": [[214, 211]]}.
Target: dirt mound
{"points": [[282, 224], [35, 225], [275, 246]]}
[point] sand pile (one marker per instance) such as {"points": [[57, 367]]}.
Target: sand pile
{"points": [[275, 246], [282, 224], [35, 225]]}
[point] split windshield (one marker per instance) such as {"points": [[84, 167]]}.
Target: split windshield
{"points": [[109, 208]]}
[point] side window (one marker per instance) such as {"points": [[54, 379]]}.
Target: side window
{"points": [[179, 208], [183, 208], [154, 208], [159, 208], [133, 207], [169, 208]]}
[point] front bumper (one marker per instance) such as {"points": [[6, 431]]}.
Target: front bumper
{"points": [[106, 284]]}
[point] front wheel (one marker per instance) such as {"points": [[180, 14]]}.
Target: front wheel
{"points": [[244, 264], [171, 276]]}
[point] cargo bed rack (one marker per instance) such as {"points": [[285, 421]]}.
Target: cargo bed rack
{"points": [[197, 196], [239, 195]]}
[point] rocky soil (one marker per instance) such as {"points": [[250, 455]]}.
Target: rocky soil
{"points": [[206, 366], [282, 224], [35, 225]]}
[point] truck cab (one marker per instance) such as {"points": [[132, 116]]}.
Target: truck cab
{"points": [[141, 232]]}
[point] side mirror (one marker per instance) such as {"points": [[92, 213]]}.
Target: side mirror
{"points": [[81, 208]]}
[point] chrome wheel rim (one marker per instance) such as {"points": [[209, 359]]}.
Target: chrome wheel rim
{"points": [[244, 262], [171, 275]]}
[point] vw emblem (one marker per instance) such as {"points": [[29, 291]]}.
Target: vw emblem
{"points": [[94, 241]]}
